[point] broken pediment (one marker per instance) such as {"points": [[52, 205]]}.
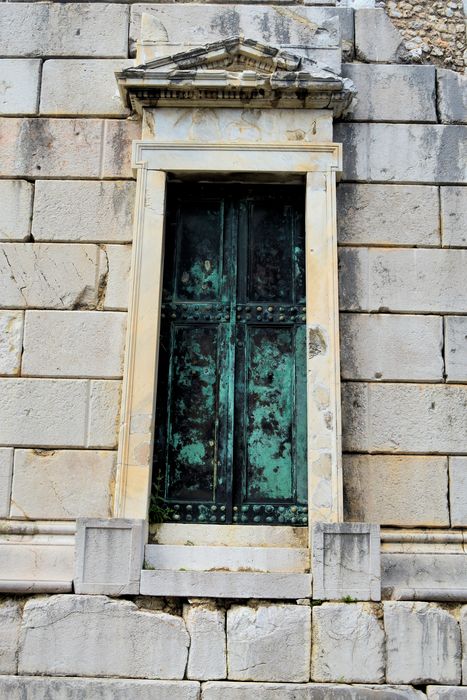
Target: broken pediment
{"points": [[235, 72]]}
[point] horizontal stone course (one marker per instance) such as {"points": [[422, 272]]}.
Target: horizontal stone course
{"points": [[218, 690], [6, 471], [19, 85], [456, 348], [452, 96], [11, 342], [427, 575], [458, 491], [15, 209], [436, 692], [454, 216]]}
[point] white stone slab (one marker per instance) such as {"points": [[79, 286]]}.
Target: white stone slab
{"points": [[376, 38], [311, 691], [73, 343], [458, 491], [414, 576], [19, 86], [15, 209], [452, 96], [231, 535], [63, 484], [96, 636], [6, 472], [10, 621], [269, 643], [456, 348], [11, 341], [119, 264], [454, 216], [207, 658], [36, 564], [104, 407]]}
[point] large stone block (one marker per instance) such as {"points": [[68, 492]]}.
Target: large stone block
{"points": [[454, 216], [436, 692], [34, 563], [452, 96], [10, 621], [376, 38], [104, 407], [385, 279], [80, 210], [390, 93], [118, 137], [81, 635], [311, 691], [458, 491], [19, 85], [11, 341], [15, 209], [423, 644], [118, 280], [405, 418], [57, 276], [269, 643], [386, 489], [391, 347], [6, 471], [73, 343], [207, 659], [347, 644], [456, 348], [413, 576], [63, 484], [414, 153], [86, 87], [71, 29], [369, 214]]}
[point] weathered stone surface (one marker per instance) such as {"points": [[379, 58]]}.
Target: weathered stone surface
{"points": [[414, 153], [89, 88], [96, 636], [436, 692], [80, 210], [19, 85], [269, 643], [376, 38], [57, 276], [63, 484], [72, 29], [15, 209], [118, 137], [391, 347], [119, 262], [454, 216], [6, 471], [207, 658], [452, 96], [312, 691], [390, 93], [404, 418], [347, 644], [368, 214], [104, 405], [19, 687], [423, 576], [11, 338], [10, 621], [423, 644], [384, 279], [36, 564], [463, 622], [456, 348], [73, 343], [386, 489], [458, 491]]}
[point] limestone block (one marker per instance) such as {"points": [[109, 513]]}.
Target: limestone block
{"points": [[369, 214], [19, 687], [423, 644], [218, 690], [118, 137], [404, 280], [390, 93], [346, 561], [36, 563], [63, 484], [386, 489], [119, 262], [452, 96], [456, 348], [269, 643], [11, 339], [6, 470], [72, 29], [376, 38], [436, 692], [347, 644], [15, 209], [416, 576], [80, 210], [82, 86], [104, 407], [414, 153], [458, 491], [109, 555], [81, 635], [391, 347], [73, 343], [207, 657], [454, 216], [19, 85], [57, 275], [405, 418], [10, 621]]}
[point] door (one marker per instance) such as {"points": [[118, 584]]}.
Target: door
{"points": [[230, 443]]}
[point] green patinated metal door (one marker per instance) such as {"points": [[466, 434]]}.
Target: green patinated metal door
{"points": [[231, 411]]}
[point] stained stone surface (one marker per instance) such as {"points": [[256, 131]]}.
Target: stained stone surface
{"points": [[11, 341], [454, 216], [456, 348], [439, 575], [372, 23], [452, 96], [10, 620], [311, 691], [15, 209]]}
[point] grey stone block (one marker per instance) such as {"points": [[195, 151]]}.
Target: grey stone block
{"points": [[413, 576], [19, 85], [15, 209], [452, 96], [423, 644], [392, 93], [20, 687], [10, 621], [311, 691], [458, 491], [372, 214], [413, 153], [450, 692], [109, 555], [6, 473], [376, 38], [207, 659], [346, 561], [456, 348], [454, 216]]}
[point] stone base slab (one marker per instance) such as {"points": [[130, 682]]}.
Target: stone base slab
{"points": [[309, 691]]}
